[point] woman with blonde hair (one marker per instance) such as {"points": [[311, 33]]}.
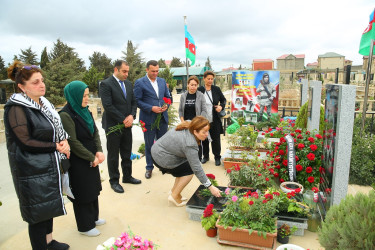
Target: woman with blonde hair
{"points": [[176, 153]]}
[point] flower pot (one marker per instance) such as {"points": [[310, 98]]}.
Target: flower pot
{"points": [[283, 240], [212, 232], [232, 162], [289, 186], [241, 237]]}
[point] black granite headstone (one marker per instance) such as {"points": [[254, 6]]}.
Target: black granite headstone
{"points": [[200, 202]]}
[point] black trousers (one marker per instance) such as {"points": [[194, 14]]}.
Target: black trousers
{"points": [[119, 143], [86, 214], [38, 232], [204, 149]]}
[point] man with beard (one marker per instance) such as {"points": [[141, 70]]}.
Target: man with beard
{"points": [[267, 92]]}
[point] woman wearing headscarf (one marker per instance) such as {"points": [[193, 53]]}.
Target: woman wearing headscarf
{"points": [[215, 102], [86, 154], [192, 102], [37, 150]]}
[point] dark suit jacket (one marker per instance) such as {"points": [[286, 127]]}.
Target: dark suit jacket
{"points": [[217, 96], [116, 107], [146, 98]]}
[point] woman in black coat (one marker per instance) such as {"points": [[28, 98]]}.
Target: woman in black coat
{"points": [[215, 101], [86, 154], [37, 148]]}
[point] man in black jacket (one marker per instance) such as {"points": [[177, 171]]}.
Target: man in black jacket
{"points": [[120, 107]]}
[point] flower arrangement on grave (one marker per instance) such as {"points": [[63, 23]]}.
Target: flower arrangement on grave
{"points": [[255, 174], [206, 192], [251, 210], [244, 137], [308, 154], [156, 123], [288, 203], [127, 240], [118, 127], [209, 217], [283, 233]]}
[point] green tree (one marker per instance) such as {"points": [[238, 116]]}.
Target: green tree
{"points": [[168, 76], [28, 56], [240, 67], [208, 63], [92, 77], [3, 69], [102, 63], [135, 61], [161, 63], [66, 54], [44, 58], [58, 74], [176, 62]]}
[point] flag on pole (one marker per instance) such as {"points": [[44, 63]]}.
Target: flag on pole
{"points": [[368, 34], [189, 46]]}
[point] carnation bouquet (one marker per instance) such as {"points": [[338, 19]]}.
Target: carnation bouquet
{"points": [[205, 192], [118, 127]]}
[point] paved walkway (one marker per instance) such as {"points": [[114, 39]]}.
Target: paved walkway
{"points": [[143, 208]]}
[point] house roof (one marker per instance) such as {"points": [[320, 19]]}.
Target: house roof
{"points": [[331, 54], [286, 55], [228, 69], [262, 60], [312, 64]]}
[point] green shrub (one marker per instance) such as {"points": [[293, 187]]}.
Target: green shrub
{"points": [[301, 121], [350, 225], [142, 149], [362, 160], [173, 118]]}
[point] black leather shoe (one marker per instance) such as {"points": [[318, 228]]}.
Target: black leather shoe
{"points": [[204, 160], [217, 162], [131, 180], [117, 188], [148, 174], [55, 245]]}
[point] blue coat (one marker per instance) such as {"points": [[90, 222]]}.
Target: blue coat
{"points": [[146, 98]]}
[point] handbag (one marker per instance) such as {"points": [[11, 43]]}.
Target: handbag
{"points": [[222, 113]]}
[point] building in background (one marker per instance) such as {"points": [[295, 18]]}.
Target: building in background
{"points": [[262, 64], [331, 61]]}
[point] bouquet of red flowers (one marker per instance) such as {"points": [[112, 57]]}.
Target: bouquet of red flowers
{"points": [[156, 124], [308, 148]]}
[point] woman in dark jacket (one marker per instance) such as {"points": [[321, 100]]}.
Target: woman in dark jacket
{"points": [[37, 148], [215, 101], [86, 154]]}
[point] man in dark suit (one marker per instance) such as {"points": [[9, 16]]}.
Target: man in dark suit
{"points": [[120, 107], [149, 92]]}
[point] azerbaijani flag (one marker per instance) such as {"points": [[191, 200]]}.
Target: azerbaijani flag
{"points": [[189, 46], [368, 34]]}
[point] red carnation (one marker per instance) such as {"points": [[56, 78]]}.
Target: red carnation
{"points": [[282, 180], [259, 174], [237, 167], [310, 179], [277, 166], [298, 131], [309, 170], [276, 193], [276, 174], [298, 190], [313, 147], [208, 211], [264, 201], [299, 136], [251, 203], [318, 136], [315, 189], [229, 170], [301, 145], [267, 179], [281, 152], [271, 134], [277, 158], [211, 176], [311, 156], [299, 167], [297, 158], [285, 162], [167, 100], [312, 140]]}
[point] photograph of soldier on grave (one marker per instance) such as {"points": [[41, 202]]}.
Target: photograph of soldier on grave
{"points": [[255, 95]]}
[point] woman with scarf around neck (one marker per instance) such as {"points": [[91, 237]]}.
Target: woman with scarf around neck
{"points": [[86, 154], [37, 150], [215, 102]]}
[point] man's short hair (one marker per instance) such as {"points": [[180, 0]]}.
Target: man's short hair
{"points": [[207, 73], [151, 62], [118, 64]]}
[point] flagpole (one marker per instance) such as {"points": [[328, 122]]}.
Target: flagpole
{"points": [[187, 62], [368, 78]]}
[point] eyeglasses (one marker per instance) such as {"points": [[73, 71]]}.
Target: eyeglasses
{"points": [[30, 67]]}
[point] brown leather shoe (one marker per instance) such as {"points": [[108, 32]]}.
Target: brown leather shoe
{"points": [[148, 174]]}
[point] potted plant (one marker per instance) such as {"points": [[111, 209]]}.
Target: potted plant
{"points": [[255, 175], [248, 219], [284, 232], [208, 220]]}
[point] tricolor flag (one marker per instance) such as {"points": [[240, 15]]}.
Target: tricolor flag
{"points": [[189, 46], [368, 34]]}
